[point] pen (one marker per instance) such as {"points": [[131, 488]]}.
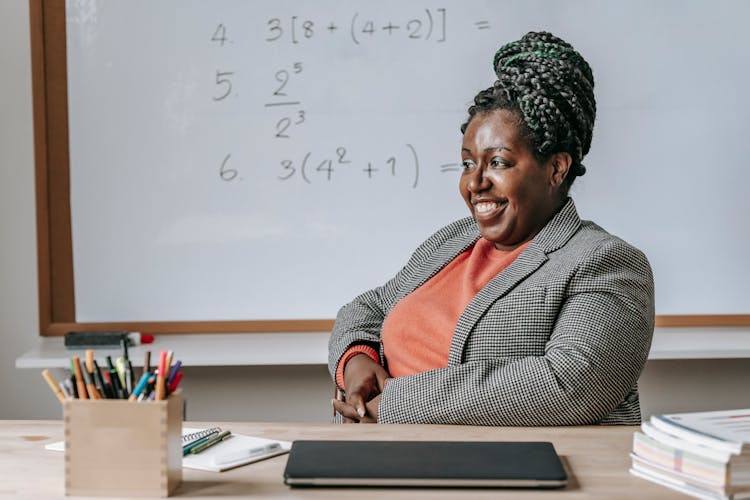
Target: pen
{"points": [[186, 449], [114, 378], [147, 362], [211, 441], [80, 383], [53, 385], [246, 454], [103, 387], [124, 344], [128, 376]]}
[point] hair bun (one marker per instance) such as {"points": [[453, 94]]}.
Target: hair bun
{"points": [[553, 86], [535, 46]]}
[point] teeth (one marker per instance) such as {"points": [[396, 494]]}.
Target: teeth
{"points": [[485, 206]]}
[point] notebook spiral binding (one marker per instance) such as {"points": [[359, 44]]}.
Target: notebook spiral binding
{"points": [[194, 436]]}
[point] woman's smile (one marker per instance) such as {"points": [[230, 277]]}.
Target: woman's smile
{"points": [[486, 210]]}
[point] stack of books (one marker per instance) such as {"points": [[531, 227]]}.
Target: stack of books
{"points": [[702, 454]]}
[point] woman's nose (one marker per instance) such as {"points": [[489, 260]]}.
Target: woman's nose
{"points": [[478, 180]]}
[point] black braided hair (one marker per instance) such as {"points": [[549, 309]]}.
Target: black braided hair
{"points": [[549, 85]]}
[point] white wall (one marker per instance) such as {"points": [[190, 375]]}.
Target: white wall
{"points": [[227, 393]]}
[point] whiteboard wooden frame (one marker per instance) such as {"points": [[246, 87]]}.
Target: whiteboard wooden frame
{"points": [[57, 312]]}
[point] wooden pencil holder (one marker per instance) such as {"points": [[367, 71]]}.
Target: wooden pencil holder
{"points": [[121, 448]]}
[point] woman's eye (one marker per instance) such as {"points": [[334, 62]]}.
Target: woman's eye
{"points": [[467, 164], [497, 162]]}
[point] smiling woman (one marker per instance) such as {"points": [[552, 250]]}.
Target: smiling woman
{"points": [[522, 314], [507, 190]]}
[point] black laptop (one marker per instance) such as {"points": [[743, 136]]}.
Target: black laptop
{"points": [[424, 464]]}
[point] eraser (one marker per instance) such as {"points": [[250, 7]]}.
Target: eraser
{"points": [[94, 340]]}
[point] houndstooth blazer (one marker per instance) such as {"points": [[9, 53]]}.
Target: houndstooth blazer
{"points": [[558, 338]]}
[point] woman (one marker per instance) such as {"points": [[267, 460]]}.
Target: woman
{"points": [[521, 314]]}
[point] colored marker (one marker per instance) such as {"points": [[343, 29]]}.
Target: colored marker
{"points": [[160, 378], [120, 367], [142, 384], [175, 382], [174, 371]]}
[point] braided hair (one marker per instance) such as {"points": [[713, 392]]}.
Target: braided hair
{"points": [[550, 87]]}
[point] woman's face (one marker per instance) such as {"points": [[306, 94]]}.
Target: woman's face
{"points": [[509, 193]]}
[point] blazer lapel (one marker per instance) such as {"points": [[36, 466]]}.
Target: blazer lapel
{"points": [[442, 256], [554, 235]]}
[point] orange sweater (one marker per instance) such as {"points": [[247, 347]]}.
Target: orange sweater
{"points": [[418, 331]]}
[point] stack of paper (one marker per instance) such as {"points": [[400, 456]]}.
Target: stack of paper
{"points": [[702, 454]]}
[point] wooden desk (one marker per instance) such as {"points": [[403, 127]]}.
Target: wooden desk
{"points": [[596, 459]]}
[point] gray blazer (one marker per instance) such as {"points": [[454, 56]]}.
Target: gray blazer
{"points": [[558, 338]]}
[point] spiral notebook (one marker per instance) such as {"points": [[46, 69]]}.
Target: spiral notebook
{"points": [[192, 436], [235, 451]]}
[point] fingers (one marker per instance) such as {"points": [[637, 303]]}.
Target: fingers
{"points": [[350, 413], [346, 410], [357, 402]]}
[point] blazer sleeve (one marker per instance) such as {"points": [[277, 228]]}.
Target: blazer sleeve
{"points": [[361, 320], [595, 354]]}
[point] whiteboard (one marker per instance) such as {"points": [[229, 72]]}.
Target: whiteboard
{"points": [[234, 160]]}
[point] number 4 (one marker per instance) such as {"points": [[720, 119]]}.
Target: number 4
{"points": [[220, 35]]}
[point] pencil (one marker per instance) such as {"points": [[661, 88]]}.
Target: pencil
{"points": [[79, 378], [53, 385], [90, 380]]}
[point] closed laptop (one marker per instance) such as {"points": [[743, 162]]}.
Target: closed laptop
{"points": [[424, 463]]}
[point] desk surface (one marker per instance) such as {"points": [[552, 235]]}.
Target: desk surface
{"points": [[596, 459]]}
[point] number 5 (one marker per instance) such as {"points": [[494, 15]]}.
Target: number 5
{"points": [[220, 80]]}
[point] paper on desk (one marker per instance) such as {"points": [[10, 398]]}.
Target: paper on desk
{"points": [[56, 446], [212, 459], [219, 457]]}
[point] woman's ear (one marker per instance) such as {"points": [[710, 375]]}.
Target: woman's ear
{"points": [[560, 163]]}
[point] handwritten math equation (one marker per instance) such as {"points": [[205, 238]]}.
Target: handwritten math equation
{"points": [[314, 167], [425, 25], [286, 108]]}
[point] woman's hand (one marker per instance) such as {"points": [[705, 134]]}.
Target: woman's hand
{"points": [[364, 379], [352, 417]]}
